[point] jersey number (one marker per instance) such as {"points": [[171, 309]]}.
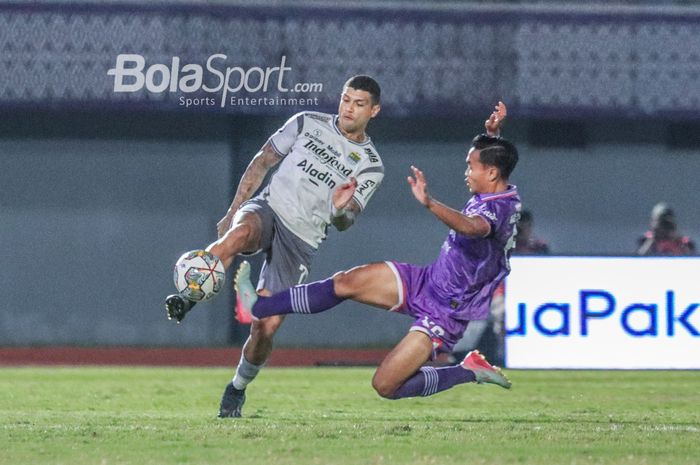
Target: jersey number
{"points": [[510, 243], [304, 273]]}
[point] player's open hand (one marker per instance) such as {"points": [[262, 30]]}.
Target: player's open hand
{"points": [[343, 194], [419, 186], [495, 122]]}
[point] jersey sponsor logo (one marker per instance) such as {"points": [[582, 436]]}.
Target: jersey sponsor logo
{"points": [[333, 151], [327, 158], [490, 215], [314, 136], [365, 185], [325, 177], [372, 156]]}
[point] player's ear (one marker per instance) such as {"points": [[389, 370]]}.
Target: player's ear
{"points": [[375, 110], [493, 173]]}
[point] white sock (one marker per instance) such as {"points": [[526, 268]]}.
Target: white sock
{"points": [[245, 373]]}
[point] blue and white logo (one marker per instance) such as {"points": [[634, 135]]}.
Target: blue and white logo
{"points": [[602, 312]]}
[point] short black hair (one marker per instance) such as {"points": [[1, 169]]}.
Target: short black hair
{"points": [[525, 216], [366, 83], [498, 152]]}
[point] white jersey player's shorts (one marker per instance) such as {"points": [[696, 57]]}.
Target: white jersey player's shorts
{"points": [[287, 257]]}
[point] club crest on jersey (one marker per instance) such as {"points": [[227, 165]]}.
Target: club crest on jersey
{"points": [[354, 157]]}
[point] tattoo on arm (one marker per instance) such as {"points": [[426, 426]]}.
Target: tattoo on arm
{"points": [[254, 174]]}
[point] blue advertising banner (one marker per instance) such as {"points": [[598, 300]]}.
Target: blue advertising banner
{"points": [[603, 312]]}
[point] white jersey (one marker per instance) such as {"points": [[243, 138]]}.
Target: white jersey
{"points": [[317, 160]]}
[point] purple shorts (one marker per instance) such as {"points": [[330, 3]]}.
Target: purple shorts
{"points": [[433, 316]]}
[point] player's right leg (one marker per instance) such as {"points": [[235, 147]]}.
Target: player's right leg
{"points": [[287, 263], [484, 371], [374, 284], [409, 355], [243, 236], [402, 374], [256, 351]]}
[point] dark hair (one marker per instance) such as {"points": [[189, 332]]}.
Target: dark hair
{"points": [[366, 83], [498, 152], [525, 216]]}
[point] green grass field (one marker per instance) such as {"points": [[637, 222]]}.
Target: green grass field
{"points": [[332, 416]]}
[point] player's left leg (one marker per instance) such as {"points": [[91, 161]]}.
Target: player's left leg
{"points": [[374, 284], [402, 363], [402, 374], [255, 353], [287, 263]]}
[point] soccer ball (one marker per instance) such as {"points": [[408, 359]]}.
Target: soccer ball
{"points": [[199, 275]]}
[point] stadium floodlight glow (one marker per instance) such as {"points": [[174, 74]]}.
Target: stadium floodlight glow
{"points": [[603, 312], [132, 75]]}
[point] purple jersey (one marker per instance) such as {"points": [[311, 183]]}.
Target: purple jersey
{"points": [[457, 287], [469, 269]]}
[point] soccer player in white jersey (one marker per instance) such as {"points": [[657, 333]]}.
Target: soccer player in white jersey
{"points": [[328, 171]]}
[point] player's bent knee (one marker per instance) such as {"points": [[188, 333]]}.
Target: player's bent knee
{"points": [[384, 389], [265, 328], [340, 284], [345, 284], [241, 233], [238, 239]]}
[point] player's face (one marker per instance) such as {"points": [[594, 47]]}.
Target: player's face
{"points": [[355, 110], [477, 175]]}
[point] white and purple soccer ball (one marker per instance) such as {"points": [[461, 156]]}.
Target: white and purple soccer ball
{"points": [[199, 275]]}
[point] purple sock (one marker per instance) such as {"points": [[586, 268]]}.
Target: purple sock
{"points": [[428, 381], [314, 297]]}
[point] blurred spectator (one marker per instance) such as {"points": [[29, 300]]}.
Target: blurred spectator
{"points": [[662, 238], [525, 242]]}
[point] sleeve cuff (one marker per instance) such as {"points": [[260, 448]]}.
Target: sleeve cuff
{"points": [[274, 147]]}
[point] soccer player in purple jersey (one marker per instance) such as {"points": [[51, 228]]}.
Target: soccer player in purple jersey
{"points": [[442, 297]]}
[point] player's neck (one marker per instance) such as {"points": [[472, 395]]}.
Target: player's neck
{"points": [[496, 187], [358, 136]]}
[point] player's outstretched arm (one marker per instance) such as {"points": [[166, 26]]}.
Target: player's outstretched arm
{"points": [[496, 119], [473, 226], [254, 174]]}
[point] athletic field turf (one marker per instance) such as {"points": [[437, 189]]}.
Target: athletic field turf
{"points": [[331, 416]]}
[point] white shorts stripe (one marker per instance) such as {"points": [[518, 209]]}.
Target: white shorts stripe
{"points": [[399, 286]]}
